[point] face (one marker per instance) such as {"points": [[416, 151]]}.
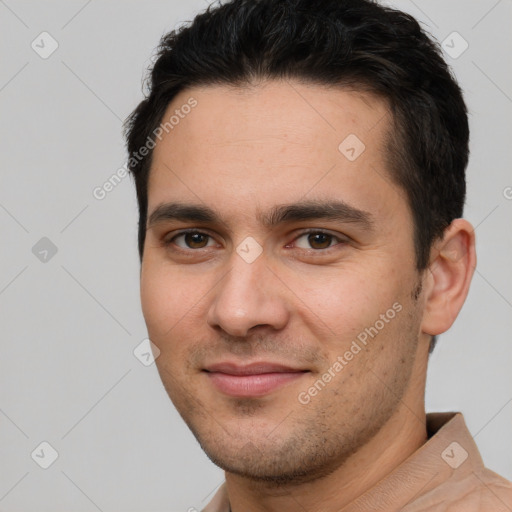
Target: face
{"points": [[278, 278]]}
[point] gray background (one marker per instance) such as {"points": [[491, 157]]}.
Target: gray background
{"points": [[70, 324]]}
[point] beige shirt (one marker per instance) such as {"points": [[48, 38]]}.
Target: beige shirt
{"points": [[445, 475]]}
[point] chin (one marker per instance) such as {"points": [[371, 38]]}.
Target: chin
{"points": [[274, 461]]}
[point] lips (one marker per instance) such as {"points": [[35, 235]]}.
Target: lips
{"points": [[251, 380]]}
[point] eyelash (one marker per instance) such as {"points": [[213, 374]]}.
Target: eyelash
{"points": [[168, 242]]}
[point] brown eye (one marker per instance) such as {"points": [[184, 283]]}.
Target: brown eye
{"points": [[191, 240], [316, 240], [319, 240], [196, 240]]}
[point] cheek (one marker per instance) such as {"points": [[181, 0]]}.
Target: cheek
{"points": [[346, 300], [166, 299], [170, 305]]}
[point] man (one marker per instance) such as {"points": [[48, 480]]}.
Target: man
{"points": [[299, 169]]}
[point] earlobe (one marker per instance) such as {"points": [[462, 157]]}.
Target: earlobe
{"points": [[452, 264]]}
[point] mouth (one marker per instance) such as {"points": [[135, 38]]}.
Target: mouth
{"points": [[252, 380]]}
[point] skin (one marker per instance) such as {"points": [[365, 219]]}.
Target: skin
{"points": [[302, 302]]}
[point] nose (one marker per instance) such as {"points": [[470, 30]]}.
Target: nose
{"points": [[249, 295]]}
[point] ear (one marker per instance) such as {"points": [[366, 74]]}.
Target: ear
{"points": [[447, 280]]}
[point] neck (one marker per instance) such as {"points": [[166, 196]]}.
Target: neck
{"points": [[399, 438]]}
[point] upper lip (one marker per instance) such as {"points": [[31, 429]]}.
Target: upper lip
{"points": [[251, 369]]}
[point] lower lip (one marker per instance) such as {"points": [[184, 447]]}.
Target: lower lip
{"points": [[251, 385]]}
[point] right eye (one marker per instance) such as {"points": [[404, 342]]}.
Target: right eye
{"points": [[190, 240]]}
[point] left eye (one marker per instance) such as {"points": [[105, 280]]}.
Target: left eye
{"points": [[317, 240]]}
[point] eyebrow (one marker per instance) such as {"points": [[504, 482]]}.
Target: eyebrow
{"points": [[281, 214]]}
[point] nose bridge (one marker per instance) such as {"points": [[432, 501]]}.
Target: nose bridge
{"points": [[248, 295]]}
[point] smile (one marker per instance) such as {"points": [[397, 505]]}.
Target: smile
{"points": [[254, 380]]}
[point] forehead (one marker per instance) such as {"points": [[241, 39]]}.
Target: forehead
{"points": [[274, 112], [273, 143]]}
